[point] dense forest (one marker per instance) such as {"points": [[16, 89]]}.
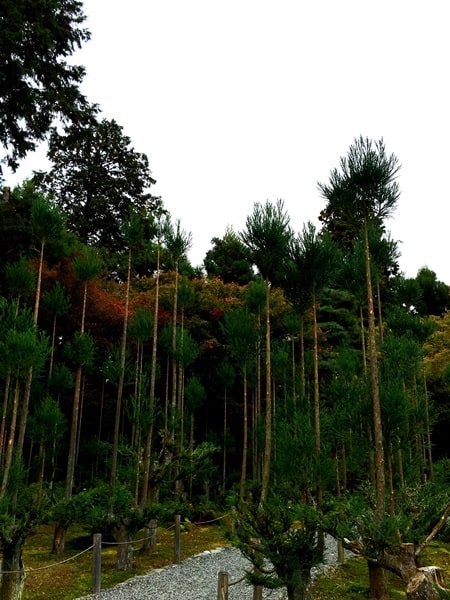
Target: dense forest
{"points": [[296, 375]]}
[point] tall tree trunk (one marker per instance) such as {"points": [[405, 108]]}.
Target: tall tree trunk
{"points": [[268, 435], [13, 577], [28, 382], [151, 408], [123, 349], [174, 349], [12, 435], [224, 450], [75, 413], [245, 441], [428, 430], [376, 575], [4, 417]]}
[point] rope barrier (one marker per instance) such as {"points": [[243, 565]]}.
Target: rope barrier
{"points": [[237, 581], [31, 570], [49, 566]]}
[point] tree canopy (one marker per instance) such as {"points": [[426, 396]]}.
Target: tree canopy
{"points": [[96, 178], [39, 84]]}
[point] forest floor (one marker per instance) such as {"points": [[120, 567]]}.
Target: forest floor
{"points": [[70, 576]]}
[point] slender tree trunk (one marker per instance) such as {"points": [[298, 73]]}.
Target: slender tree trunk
{"points": [[376, 575], [174, 350], [71, 458], [151, 408], [28, 382], [268, 435], [245, 441], [4, 416], [52, 350], [224, 451], [428, 429], [12, 435], [377, 422], [123, 350], [363, 338], [380, 316]]}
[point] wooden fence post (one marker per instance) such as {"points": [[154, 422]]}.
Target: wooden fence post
{"points": [[177, 539], [97, 566], [222, 586], [152, 529], [257, 592], [257, 589]]}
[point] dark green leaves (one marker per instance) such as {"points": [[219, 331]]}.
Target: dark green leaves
{"points": [[38, 84]]}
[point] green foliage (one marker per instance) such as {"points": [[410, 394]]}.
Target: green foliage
{"points": [[47, 221], [267, 236], [194, 392], [20, 278], [87, 264], [38, 83], [239, 329], [229, 259], [283, 531], [418, 509], [363, 189], [47, 423], [23, 350], [177, 242], [56, 300], [22, 507], [80, 351], [96, 179]]}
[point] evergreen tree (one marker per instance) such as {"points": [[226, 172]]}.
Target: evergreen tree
{"points": [[96, 178], [361, 192], [39, 83], [267, 236]]}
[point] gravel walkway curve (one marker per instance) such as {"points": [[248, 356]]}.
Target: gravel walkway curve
{"points": [[196, 578]]}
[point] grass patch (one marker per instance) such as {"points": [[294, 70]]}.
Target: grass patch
{"points": [[73, 578], [49, 577], [350, 581]]}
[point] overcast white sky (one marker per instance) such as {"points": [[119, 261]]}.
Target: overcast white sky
{"points": [[243, 101]]}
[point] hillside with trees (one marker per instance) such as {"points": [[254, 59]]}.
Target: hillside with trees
{"points": [[297, 375]]}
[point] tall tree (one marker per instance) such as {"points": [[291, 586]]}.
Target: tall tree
{"points": [[315, 255], [435, 294], [178, 243], [362, 191], [239, 328], [87, 266], [160, 223], [47, 223], [229, 259], [39, 84], [267, 235], [96, 178], [133, 233]]}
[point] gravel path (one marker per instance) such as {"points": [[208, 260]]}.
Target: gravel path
{"points": [[196, 579]]}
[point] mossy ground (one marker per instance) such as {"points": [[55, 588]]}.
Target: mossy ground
{"points": [[70, 576], [66, 578], [350, 581]]}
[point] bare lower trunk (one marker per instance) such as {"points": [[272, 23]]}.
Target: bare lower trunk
{"points": [[149, 545], [123, 536], [59, 538], [13, 577], [377, 582], [301, 589]]}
